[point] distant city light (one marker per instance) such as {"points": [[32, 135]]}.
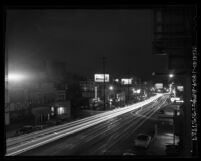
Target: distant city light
{"points": [[180, 88], [126, 81], [180, 101], [171, 75], [152, 89], [175, 99], [159, 85], [116, 80], [138, 91]]}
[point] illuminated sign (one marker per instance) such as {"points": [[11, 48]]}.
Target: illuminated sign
{"points": [[126, 81], [159, 85], [175, 99], [180, 88], [100, 77]]}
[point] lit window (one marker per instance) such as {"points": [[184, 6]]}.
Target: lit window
{"points": [[60, 110]]}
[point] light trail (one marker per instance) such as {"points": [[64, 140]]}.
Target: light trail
{"points": [[139, 122], [26, 137], [74, 127]]}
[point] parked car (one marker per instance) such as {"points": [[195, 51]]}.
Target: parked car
{"points": [[142, 141]]}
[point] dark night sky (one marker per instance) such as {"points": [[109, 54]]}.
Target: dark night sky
{"points": [[81, 38]]}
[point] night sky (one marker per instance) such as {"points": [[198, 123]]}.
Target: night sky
{"points": [[80, 38]]}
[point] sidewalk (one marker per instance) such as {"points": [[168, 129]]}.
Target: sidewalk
{"points": [[158, 146], [164, 135]]}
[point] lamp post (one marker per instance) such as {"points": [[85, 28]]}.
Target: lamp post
{"points": [[171, 75], [111, 88], [170, 78]]}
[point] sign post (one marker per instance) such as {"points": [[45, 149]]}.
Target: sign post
{"points": [[102, 78], [96, 92]]}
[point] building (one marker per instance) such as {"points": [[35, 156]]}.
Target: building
{"points": [[61, 109], [36, 97], [88, 88], [117, 91], [174, 36]]}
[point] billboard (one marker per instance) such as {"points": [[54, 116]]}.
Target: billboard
{"points": [[126, 81], [159, 85], [180, 88], [100, 77]]}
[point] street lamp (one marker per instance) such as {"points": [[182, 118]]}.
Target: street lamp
{"points": [[110, 99], [171, 75], [111, 88]]}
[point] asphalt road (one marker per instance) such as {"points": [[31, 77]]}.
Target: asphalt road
{"points": [[112, 137]]}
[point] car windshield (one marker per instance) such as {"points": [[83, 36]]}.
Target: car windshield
{"points": [[142, 137]]}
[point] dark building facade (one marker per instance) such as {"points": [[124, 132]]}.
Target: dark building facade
{"points": [[175, 36]]}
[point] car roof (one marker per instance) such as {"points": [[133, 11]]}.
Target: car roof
{"points": [[28, 126]]}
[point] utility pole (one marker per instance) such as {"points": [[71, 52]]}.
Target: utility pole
{"points": [[104, 62], [128, 92], [128, 80]]}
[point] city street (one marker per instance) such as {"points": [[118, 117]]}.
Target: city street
{"points": [[112, 137], [111, 80]]}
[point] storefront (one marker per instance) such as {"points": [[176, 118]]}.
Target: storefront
{"points": [[61, 109], [41, 114]]}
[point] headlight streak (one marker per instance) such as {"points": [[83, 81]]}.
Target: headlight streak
{"points": [[103, 132], [111, 143], [88, 122], [98, 135], [47, 131]]}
